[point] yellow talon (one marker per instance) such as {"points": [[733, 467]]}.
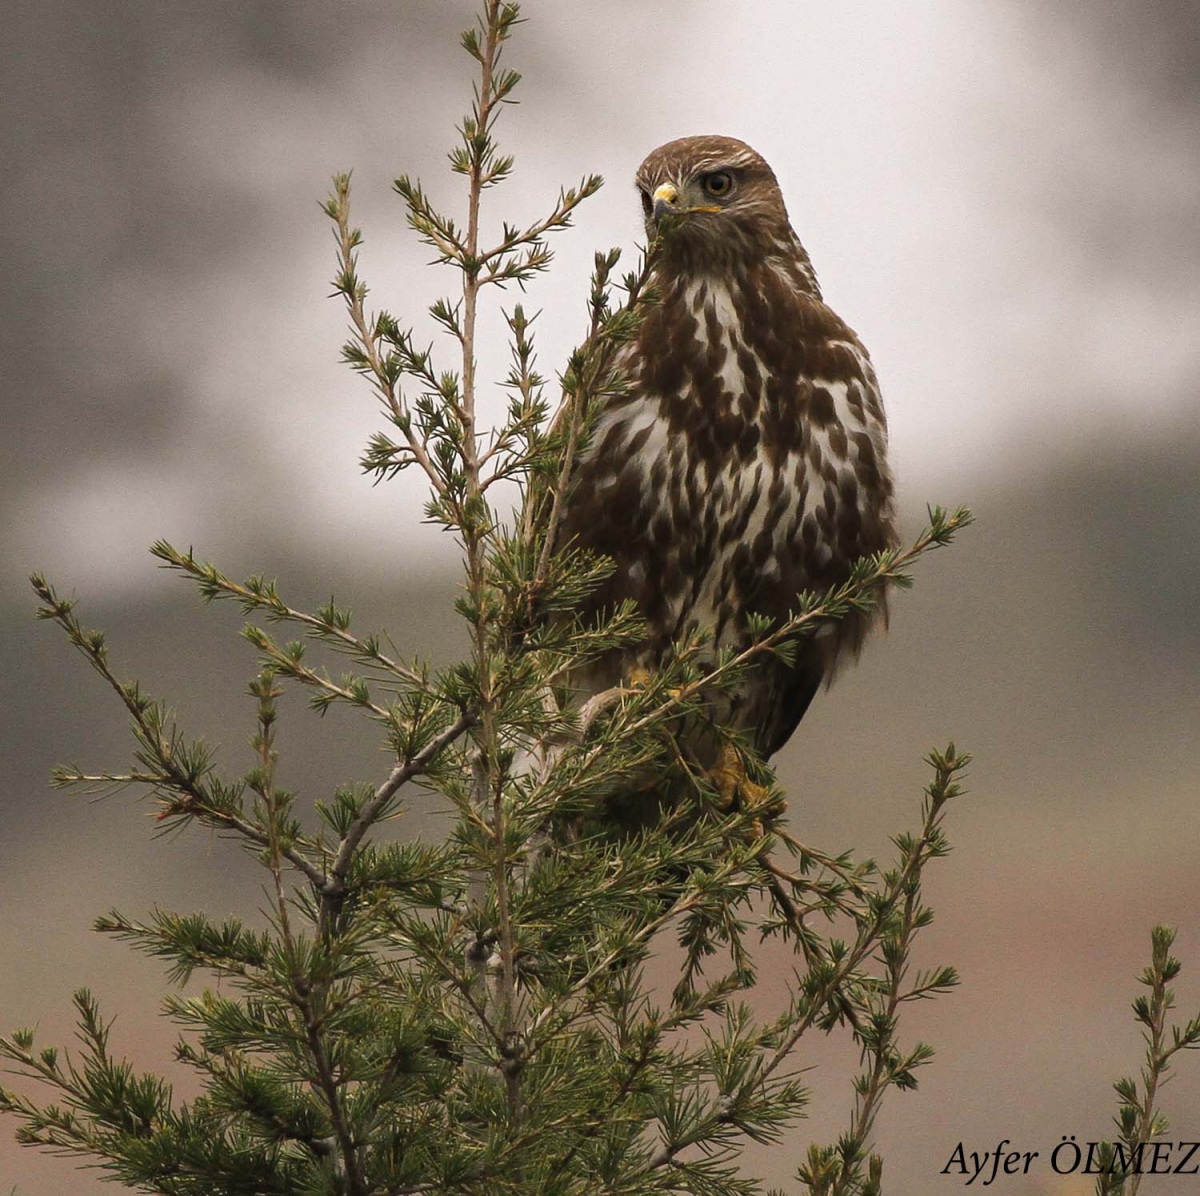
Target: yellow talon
{"points": [[725, 775], [638, 677], [729, 778]]}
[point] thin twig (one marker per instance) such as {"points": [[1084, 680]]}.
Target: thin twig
{"points": [[280, 611], [399, 776], [368, 337]]}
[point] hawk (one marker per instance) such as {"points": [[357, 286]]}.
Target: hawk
{"points": [[745, 460]]}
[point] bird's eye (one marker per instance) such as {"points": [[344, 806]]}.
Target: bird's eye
{"points": [[717, 184]]}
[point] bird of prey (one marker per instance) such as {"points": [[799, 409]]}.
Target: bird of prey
{"points": [[745, 459]]}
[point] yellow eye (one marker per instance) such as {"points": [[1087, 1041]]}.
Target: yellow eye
{"points": [[717, 184]]}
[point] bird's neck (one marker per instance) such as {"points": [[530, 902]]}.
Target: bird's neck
{"points": [[686, 265]]}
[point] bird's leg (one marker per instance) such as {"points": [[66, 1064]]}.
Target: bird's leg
{"points": [[728, 776], [733, 786]]}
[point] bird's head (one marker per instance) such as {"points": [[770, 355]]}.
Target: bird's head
{"points": [[712, 198]]}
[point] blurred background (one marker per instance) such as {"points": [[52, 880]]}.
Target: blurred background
{"points": [[1000, 197]]}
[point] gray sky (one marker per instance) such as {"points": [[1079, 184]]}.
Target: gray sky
{"points": [[1001, 204]]}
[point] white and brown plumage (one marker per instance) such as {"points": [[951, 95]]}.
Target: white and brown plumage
{"points": [[746, 460]]}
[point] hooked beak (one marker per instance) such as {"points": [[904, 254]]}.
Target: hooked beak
{"points": [[666, 201]]}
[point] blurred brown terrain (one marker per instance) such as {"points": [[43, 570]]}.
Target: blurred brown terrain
{"points": [[162, 375]]}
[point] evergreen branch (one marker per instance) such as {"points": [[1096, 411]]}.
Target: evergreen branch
{"points": [[550, 1018], [590, 375], [257, 594], [108, 1106], [416, 938], [274, 804], [194, 942], [176, 766], [1138, 1120], [478, 161], [837, 1171], [824, 982], [504, 267], [404, 772], [915, 854], [367, 333], [330, 1088], [518, 439], [287, 662], [870, 575]]}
